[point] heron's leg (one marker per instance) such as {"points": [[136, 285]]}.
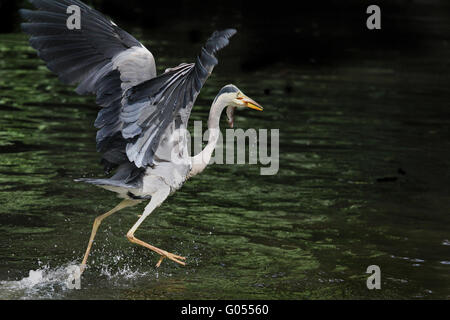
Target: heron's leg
{"points": [[124, 204], [157, 199]]}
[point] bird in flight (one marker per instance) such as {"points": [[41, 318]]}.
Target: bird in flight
{"points": [[143, 115]]}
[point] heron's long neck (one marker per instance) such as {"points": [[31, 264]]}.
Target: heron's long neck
{"points": [[201, 161]]}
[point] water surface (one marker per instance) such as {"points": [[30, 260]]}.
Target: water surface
{"points": [[363, 180]]}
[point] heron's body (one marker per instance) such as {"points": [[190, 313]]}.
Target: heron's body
{"points": [[142, 113], [170, 169]]}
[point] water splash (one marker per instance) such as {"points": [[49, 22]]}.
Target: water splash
{"points": [[125, 272], [44, 283], [53, 282], [119, 267]]}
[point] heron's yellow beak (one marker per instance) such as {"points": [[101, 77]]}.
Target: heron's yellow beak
{"points": [[252, 104]]}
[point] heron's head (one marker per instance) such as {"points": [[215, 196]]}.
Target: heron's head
{"points": [[236, 99]]}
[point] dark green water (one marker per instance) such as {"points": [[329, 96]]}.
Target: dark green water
{"points": [[363, 180]]}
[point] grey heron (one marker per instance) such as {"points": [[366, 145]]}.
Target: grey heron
{"points": [[140, 111]]}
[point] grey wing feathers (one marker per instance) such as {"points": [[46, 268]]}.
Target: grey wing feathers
{"points": [[150, 107], [107, 61], [100, 57]]}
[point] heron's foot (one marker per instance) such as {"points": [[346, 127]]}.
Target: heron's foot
{"points": [[82, 268], [172, 257], [164, 254]]}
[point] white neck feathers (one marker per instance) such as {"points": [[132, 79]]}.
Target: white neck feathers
{"points": [[201, 161]]}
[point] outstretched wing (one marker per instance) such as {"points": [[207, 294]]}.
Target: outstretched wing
{"points": [[100, 57], [150, 107]]}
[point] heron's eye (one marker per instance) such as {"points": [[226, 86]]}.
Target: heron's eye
{"points": [[240, 98]]}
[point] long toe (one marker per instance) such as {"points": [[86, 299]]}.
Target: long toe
{"points": [[172, 257]]}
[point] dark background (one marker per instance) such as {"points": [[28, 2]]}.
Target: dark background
{"points": [[292, 32]]}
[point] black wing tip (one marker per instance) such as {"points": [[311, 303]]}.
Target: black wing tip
{"points": [[219, 40], [26, 16], [230, 32], [26, 27], [23, 13], [227, 33]]}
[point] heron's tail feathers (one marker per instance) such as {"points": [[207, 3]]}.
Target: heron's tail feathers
{"points": [[107, 182]]}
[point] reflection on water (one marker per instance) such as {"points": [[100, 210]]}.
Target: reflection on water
{"points": [[363, 181]]}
